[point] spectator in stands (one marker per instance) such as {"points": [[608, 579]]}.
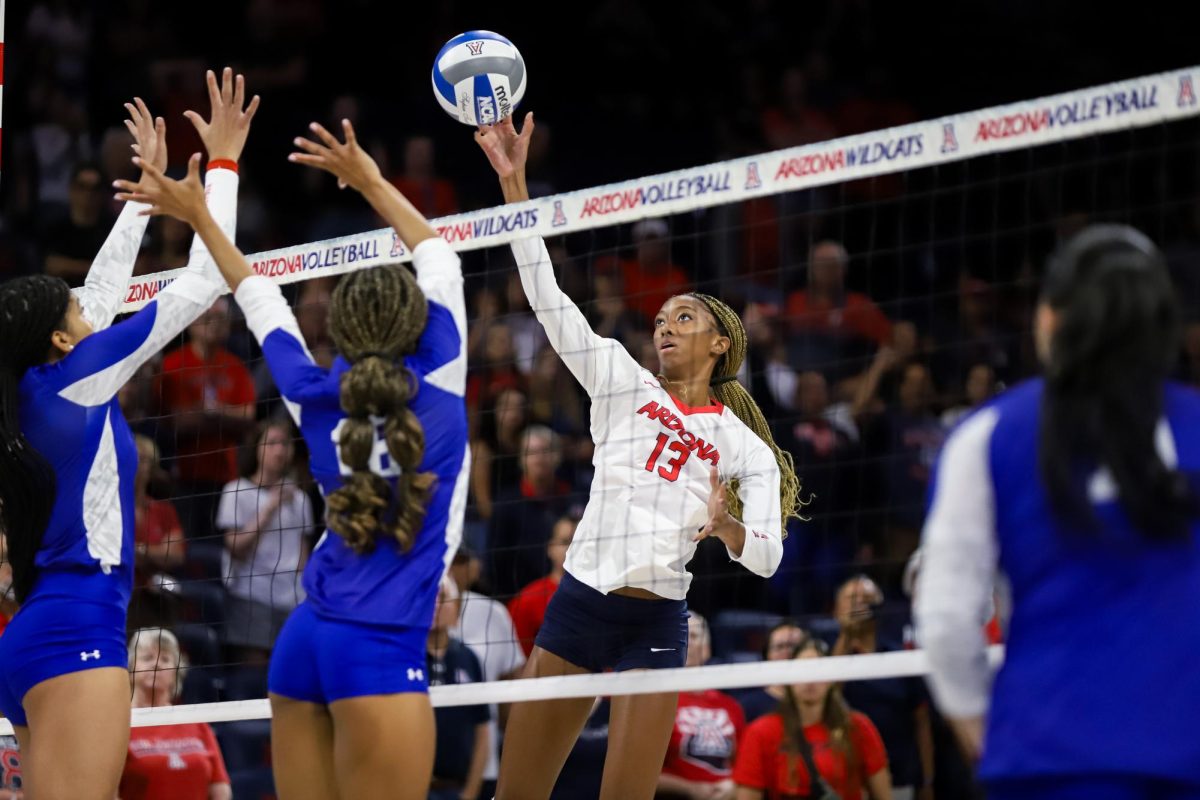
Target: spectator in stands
{"points": [[170, 241], [496, 451], [794, 120], [159, 546], [136, 398], [209, 396], [708, 726], [523, 518], [462, 731], [528, 608], [609, 312], [71, 242], [782, 641], [899, 707], [651, 279], [812, 728], [981, 385], [486, 628], [180, 762], [433, 196], [265, 519], [974, 335], [494, 371], [529, 337], [826, 305], [556, 402]]}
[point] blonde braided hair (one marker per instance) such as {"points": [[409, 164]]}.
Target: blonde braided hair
{"points": [[734, 396], [375, 319]]}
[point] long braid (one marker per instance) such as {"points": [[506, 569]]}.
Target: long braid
{"points": [[375, 319], [31, 309], [734, 396]]}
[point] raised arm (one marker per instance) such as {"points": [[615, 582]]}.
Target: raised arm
{"points": [[104, 288], [599, 364]]}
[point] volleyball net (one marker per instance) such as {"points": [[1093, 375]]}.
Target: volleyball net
{"points": [[886, 281]]}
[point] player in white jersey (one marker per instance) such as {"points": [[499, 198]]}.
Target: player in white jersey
{"points": [[681, 456], [67, 465]]}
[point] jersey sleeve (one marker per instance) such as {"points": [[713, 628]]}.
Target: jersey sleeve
{"points": [[274, 325], [104, 288], [959, 555], [101, 363], [868, 744], [597, 363], [758, 488], [752, 765], [441, 357]]}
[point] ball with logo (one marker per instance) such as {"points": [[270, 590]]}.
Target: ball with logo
{"points": [[479, 77]]}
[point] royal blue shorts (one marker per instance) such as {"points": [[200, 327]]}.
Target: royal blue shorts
{"points": [[55, 633], [600, 631], [320, 660]]}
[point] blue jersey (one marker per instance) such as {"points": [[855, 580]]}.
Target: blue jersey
{"points": [[69, 411], [1098, 675], [385, 586]]}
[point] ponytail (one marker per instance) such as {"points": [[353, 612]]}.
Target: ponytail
{"points": [[1109, 358], [31, 309], [376, 318]]}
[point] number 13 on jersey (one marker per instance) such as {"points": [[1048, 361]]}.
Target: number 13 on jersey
{"points": [[670, 469]]}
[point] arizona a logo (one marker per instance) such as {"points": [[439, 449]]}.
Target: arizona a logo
{"points": [[753, 181], [560, 217], [1187, 92], [949, 139]]}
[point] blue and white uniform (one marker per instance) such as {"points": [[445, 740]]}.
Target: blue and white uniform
{"points": [[1098, 682], [74, 617], [363, 626]]}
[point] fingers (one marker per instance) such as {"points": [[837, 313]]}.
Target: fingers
{"points": [[193, 173], [348, 132], [307, 160], [160, 127], [132, 128], [249, 113], [226, 86], [322, 134], [149, 170], [527, 126], [309, 146], [214, 93], [239, 92], [197, 121], [135, 116], [145, 112], [714, 482]]}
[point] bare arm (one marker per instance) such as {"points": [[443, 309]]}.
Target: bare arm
{"points": [[879, 785], [746, 793], [220, 791], [924, 734], [479, 757]]}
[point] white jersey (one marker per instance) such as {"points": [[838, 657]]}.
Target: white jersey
{"points": [[649, 496]]}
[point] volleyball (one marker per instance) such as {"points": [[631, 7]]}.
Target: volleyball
{"points": [[479, 77]]}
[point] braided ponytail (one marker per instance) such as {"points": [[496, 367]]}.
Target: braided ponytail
{"points": [[734, 396], [375, 319], [31, 309]]}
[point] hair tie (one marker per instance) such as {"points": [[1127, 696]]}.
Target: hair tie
{"points": [[373, 354], [725, 379]]}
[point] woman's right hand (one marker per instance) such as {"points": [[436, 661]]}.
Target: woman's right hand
{"points": [[224, 135], [507, 150], [183, 199], [348, 162]]}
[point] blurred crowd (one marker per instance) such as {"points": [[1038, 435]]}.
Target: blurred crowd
{"points": [[879, 313]]}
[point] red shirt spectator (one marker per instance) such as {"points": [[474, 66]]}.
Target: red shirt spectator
{"points": [[210, 394], [826, 307], [157, 533], [650, 279], [432, 196], [528, 608], [176, 761], [708, 726], [763, 764]]}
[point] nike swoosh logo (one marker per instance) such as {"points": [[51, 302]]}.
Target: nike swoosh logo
{"points": [[662, 649]]}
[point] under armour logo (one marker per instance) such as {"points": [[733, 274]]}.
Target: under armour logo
{"points": [[476, 48], [416, 674], [84, 656]]}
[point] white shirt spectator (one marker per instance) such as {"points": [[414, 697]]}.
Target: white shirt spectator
{"points": [[271, 574]]}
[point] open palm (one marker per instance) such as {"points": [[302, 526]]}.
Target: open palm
{"points": [[506, 149]]}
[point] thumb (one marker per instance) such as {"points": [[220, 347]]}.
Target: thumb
{"points": [[193, 173], [197, 121]]}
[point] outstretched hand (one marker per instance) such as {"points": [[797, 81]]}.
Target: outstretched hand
{"points": [[149, 134], [506, 149], [183, 199], [718, 507], [224, 135], [347, 161]]}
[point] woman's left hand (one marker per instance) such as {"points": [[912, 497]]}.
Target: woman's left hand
{"points": [[183, 199]]}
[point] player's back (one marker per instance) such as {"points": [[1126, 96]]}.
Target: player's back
{"points": [[385, 585], [1098, 670]]}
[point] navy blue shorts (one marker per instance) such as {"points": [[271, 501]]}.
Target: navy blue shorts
{"points": [[54, 634], [600, 631], [320, 660]]}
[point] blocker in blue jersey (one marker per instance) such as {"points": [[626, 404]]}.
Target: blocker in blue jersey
{"points": [[67, 465], [387, 432], [1081, 488]]}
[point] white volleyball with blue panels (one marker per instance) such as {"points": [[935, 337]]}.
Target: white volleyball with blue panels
{"points": [[479, 77]]}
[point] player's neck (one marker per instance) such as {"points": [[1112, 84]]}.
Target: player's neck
{"points": [[810, 713], [692, 391]]}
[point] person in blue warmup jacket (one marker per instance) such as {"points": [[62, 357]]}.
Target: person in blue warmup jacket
{"points": [[387, 430], [67, 469], [1081, 488]]}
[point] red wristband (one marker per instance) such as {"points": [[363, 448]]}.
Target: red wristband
{"points": [[223, 163]]}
